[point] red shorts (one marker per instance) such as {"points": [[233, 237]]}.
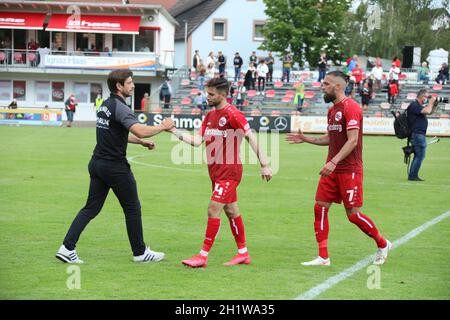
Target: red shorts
{"points": [[338, 187], [224, 191]]}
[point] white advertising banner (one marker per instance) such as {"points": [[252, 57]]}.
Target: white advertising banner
{"points": [[99, 62], [382, 126]]}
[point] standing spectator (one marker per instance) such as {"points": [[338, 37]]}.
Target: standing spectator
{"points": [[230, 95], [392, 91], [377, 73], [145, 102], [418, 124], [287, 65], [166, 93], [394, 72], [366, 94], [358, 74], [222, 64], [262, 71], [240, 94], [237, 62], [211, 71], [322, 66], [443, 75], [201, 75], [250, 77], [351, 63], [32, 48], [253, 59], [270, 60], [396, 61], [196, 60], [424, 73], [350, 88], [211, 59], [70, 106], [200, 100], [299, 95]]}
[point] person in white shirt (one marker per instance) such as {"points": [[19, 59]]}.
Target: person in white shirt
{"points": [[210, 70], [262, 70], [211, 59], [377, 73], [394, 71]]}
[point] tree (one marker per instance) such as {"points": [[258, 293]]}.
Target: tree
{"points": [[305, 27]]}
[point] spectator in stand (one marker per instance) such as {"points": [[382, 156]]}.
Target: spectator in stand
{"points": [[237, 63], [366, 94], [299, 95], [443, 75], [165, 93], [200, 101], [262, 71], [358, 74], [241, 94], [253, 59], [222, 64], [377, 73], [211, 59], [32, 46], [287, 66], [392, 91], [397, 62], [145, 102], [351, 63], [250, 77], [211, 71], [230, 95], [13, 104], [424, 73], [322, 66], [270, 60], [70, 107], [201, 75], [350, 88], [196, 60], [394, 72]]}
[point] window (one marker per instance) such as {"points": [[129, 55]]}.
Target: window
{"points": [[96, 89], [122, 42], [19, 39], [81, 91], [43, 37], [19, 90], [57, 91], [42, 91], [59, 41], [5, 90], [219, 29], [144, 41], [258, 27]]}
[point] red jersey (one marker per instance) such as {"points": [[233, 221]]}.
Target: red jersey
{"points": [[346, 115], [223, 131]]}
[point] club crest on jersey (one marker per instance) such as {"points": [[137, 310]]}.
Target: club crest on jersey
{"points": [[338, 116], [222, 121]]}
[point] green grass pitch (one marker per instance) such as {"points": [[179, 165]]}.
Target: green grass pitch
{"points": [[44, 182]]}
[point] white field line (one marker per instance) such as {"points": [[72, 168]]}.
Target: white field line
{"points": [[347, 273]]}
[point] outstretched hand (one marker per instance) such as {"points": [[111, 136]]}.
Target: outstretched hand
{"points": [[266, 173], [150, 145], [294, 138], [168, 124]]}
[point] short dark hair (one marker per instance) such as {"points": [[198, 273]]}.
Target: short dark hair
{"points": [[422, 92], [339, 74], [221, 84], [118, 76]]}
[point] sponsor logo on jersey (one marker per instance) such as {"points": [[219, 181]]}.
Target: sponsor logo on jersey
{"points": [[352, 123], [335, 127], [222, 121], [338, 116], [215, 132]]}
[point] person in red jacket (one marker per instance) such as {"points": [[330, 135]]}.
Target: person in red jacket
{"points": [[392, 91], [358, 74]]}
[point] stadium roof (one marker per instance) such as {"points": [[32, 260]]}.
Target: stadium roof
{"points": [[194, 12]]}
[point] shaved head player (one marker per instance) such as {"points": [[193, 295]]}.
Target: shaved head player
{"points": [[341, 178]]}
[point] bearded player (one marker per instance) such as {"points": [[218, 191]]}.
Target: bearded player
{"points": [[222, 130], [342, 175]]}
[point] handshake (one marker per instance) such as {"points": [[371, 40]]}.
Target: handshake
{"points": [[168, 124]]}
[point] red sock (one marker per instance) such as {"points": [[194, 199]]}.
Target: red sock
{"points": [[237, 228], [211, 232], [321, 227], [368, 227]]}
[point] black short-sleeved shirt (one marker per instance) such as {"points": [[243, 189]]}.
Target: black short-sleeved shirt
{"points": [[417, 121], [114, 119]]}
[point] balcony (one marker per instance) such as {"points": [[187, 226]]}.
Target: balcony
{"points": [[45, 60]]}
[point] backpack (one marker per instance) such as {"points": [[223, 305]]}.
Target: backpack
{"points": [[401, 126]]}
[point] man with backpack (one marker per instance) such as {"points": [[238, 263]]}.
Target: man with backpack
{"points": [[417, 113]]}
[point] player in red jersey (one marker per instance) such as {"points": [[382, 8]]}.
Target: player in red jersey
{"points": [[342, 175], [222, 130]]}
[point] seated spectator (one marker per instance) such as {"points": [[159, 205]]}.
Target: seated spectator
{"points": [[350, 88], [13, 104], [424, 73], [443, 75], [200, 101]]}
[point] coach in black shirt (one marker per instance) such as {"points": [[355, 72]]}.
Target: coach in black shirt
{"points": [[109, 169], [418, 123]]}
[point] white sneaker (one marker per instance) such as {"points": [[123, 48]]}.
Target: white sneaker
{"points": [[319, 261], [149, 256], [68, 256], [382, 254]]}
